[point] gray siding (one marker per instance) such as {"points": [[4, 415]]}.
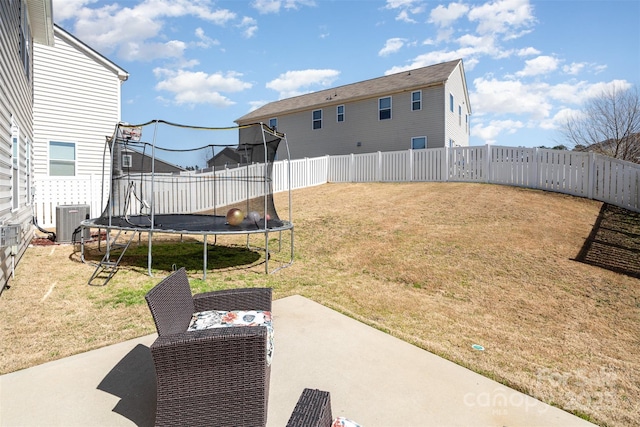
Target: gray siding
{"points": [[361, 125], [362, 131], [16, 102]]}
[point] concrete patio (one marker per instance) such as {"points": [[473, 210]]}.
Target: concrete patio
{"points": [[373, 378]]}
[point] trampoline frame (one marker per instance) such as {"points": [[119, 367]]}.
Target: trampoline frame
{"points": [[266, 229]]}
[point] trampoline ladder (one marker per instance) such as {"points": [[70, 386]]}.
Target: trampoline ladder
{"points": [[107, 268]]}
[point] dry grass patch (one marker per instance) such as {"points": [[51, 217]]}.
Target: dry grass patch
{"points": [[443, 266]]}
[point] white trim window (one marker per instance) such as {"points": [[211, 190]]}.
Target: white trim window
{"points": [[416, 100], [27, 167], [25, 39], [418, 142], [15, 165], [127, 160], [316, 119], [384, 108], [62, 158], [340, 113], [273, 123], [451, 102]]}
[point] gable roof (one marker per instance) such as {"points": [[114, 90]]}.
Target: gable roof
{"points": [[96, 56], [404, 81]]}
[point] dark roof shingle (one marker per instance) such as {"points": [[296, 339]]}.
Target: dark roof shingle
{"points": [[403, 81]]}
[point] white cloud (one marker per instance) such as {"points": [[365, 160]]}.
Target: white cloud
{"points": [[254, 105], [503, 17], [205, 41], [392, 46], [293, 83], [274, 6], [132, 31], [249, 27], [528, 51], [189, 87], [493, 96], [541, 65], [490, 132], [406, 9], [445, 16]]}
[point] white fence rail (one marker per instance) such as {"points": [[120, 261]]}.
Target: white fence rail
{"points": [[580, 174]]}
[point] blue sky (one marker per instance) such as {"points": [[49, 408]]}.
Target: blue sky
{"points": [[207, 63]]}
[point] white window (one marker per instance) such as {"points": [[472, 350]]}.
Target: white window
{"points": [[273, 123], [28, 170], [340, 113], [418, 142], [451, 102], [62, 158], [384, 108], [127, 160], [416, 100], [25, 39], [316, 118], [15, 165]]}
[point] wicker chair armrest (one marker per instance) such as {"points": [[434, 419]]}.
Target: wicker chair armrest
{"points": [[187, 358], [234, 299], [196, 369], [312, 410]]}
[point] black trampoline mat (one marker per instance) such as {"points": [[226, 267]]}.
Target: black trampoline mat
{"points": [[192, 223]]}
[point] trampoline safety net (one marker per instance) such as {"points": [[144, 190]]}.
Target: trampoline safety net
{"points": [[176, 178]]}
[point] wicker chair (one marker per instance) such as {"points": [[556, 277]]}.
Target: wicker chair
{"points": [[216, 376], [312, 410]]}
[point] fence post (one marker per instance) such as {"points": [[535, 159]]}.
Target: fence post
{"points": [[326, 169], [352, 171], [307, 172], [488, 164], [447, 168], [410, 168], [591, 174]]}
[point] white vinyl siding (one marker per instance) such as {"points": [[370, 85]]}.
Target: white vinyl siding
{"points": [[456, 131], [16, 106], [75, 99]]}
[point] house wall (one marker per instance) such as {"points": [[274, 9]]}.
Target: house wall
{"points": [[76, 99], [363, 132], [456, 124], [16, 102]]}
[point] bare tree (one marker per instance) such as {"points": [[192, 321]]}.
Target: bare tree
{"points": [[609, 124]]}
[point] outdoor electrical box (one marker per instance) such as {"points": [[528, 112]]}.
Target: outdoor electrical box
{"points": [[68, 219], [9, 235]]}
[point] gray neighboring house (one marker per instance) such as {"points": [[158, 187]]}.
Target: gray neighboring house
{"points": [[426, 107], [135, 160], [227, 158], [23, 23]]}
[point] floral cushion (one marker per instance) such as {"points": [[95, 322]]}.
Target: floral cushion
{"points": [[344, 422], [224, 319]]}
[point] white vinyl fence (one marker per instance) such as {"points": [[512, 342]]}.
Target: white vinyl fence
{"points": [[580, 174]]}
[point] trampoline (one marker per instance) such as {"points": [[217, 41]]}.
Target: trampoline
{"points": [[149, 194]]}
